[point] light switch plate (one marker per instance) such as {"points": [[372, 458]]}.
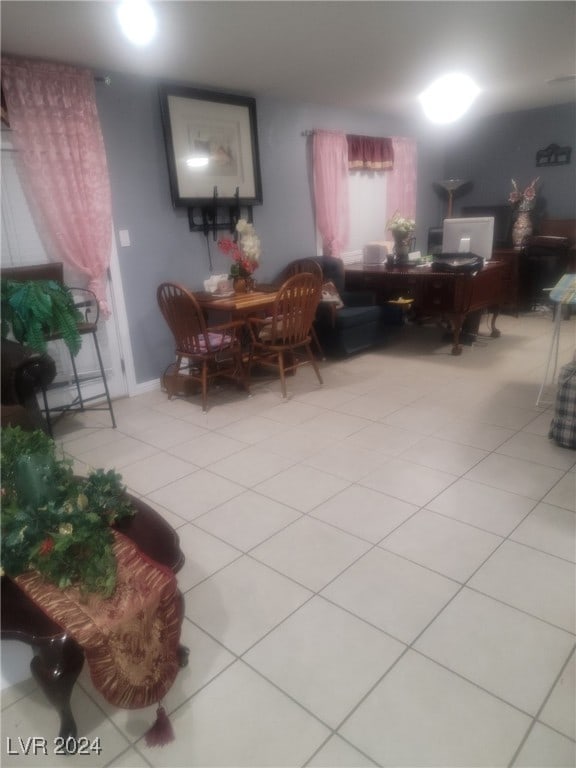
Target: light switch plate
{"points": [[124, 236]]}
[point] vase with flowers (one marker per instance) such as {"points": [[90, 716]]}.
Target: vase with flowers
{"points": [[244, 251], [524, 202], [402, 229]]}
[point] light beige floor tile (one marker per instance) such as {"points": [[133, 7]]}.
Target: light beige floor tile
{"points": [[365, 513], [483, 506], [116, 454], [252, 430], [345, 460], [326, 397], [242, 602], [515, 475], [512, 655], [247, 520], [539, 449], [174, 520], [129, 759], [550, 529], [398, 596], [408, 481], [256, 725], [374, 406], [546, 749], [560, 710], [532, 581], [421, 418], [447, 546], [34, 716], [292, 412], [473, 433], [301, 487], [155, 471], [169, 433], [207, 448], [443, 455], [337, 753], [295, 444], [563, 494], [384, 438], [324, 658], [14, 693], [335, 425], [195, 494], [310, 552], [205, 554], [434, 718], [251, 466]]}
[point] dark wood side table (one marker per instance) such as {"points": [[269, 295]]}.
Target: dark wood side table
{"points": [[58, 659], [511, 280]]}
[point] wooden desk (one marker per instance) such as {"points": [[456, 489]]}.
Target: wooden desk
{"points": [[435, 293]]}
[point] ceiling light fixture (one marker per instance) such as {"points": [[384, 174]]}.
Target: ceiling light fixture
{"points": [[448, 98], [137, 21]]}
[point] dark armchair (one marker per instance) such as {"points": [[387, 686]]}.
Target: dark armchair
{"points": [[25, 374], [359, 324]]}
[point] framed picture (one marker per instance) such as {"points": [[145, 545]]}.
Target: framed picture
{"points": [[212, 147]]}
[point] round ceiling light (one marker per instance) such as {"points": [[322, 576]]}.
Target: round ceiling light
{"points": [[137, 21], [448, 98]]}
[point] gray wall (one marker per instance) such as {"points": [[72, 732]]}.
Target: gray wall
{"points": [[163, 248], [494, 151]]}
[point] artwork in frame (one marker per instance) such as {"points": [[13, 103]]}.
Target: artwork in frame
{"points": [[212, 147]]}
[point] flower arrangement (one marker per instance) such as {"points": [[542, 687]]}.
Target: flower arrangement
{"points": [[54, 522], [244, 251], [400, 226], [524, 200]]}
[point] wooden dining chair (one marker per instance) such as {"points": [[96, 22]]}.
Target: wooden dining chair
{"points": [[283, 340], [203, 352], [296, 267]]}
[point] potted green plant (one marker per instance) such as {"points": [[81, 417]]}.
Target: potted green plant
{"points": [[55, 522], [36, 309]]}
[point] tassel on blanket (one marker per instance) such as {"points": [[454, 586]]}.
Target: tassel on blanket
{"points": [[161, 732]]}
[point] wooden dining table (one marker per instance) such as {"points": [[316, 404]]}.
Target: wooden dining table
{"points": [[237, 305]]}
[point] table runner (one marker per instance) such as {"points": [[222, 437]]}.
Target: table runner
{"points": [[131, 639]]}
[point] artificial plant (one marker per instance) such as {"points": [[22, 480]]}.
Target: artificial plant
{"points": [[36, 309], [55, 522]]}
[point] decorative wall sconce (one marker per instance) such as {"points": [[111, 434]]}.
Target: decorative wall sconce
{"points": [[553, 155]]}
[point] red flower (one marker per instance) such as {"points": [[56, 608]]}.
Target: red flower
{"points": [[46, 547]]}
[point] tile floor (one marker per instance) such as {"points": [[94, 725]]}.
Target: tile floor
{"points": [[378, 572]]}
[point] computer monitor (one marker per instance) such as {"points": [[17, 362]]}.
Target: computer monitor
{"points": [[474, 235]]}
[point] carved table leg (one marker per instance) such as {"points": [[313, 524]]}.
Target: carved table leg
{"points": [[56, 667], [495, 333], [457, 321]]}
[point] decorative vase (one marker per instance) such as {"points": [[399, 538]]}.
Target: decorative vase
{"points": [[522, 229], [401, 248], [243, 284]]}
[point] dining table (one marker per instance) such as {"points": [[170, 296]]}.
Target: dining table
{"points": [[238, 306]]}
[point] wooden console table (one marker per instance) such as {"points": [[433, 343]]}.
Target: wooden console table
{"points": [[58, 659], [455, 295]]}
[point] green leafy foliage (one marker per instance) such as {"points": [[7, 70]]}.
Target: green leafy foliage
{"points": [[55, 522], [34, 309]]}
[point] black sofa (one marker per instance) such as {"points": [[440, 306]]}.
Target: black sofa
{"points": [[360, 324]]}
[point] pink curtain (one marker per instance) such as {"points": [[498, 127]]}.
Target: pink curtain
{"points": [[401, 181], [330, 163], [56, 130]]}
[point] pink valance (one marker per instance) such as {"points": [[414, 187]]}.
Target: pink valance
{"points": [[370, 153]]}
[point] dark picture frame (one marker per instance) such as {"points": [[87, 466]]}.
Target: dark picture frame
{"points": [[223, 128]]}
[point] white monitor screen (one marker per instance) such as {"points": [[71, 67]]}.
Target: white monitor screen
{"points": [[475, 235]]}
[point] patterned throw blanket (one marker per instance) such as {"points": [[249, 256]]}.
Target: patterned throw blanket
{"points": [[130, 640]]}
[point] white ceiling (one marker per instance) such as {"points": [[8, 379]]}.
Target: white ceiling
{"points": [[360, 55]]}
